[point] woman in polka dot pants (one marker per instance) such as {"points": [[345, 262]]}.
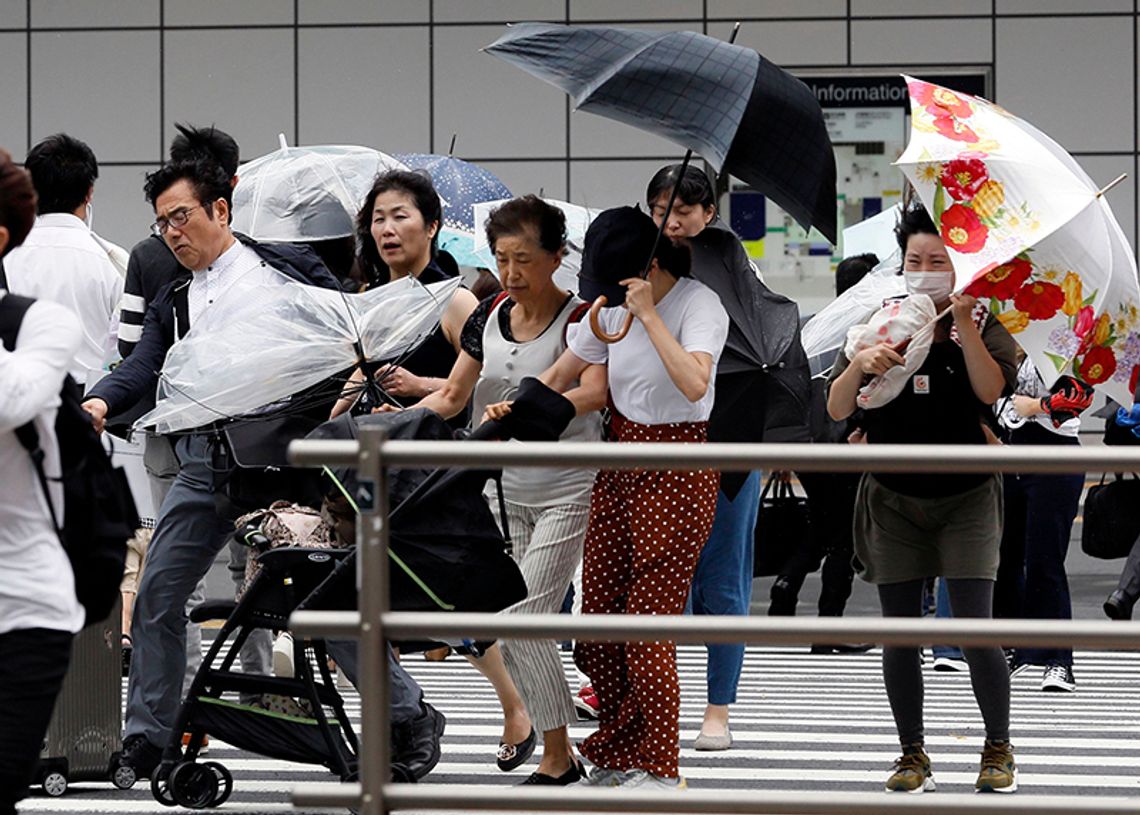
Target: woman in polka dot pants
{"points": [[645, 535], [646, 529]]}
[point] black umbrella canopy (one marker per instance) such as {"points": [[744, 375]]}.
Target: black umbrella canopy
{"points": [[743, 114], [447, 550], [762, 323]]}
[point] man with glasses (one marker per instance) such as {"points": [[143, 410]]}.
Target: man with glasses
{"points": [[191, 202], [152, 266]]}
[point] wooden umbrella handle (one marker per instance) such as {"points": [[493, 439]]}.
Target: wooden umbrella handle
{"points": [[596, 326]]}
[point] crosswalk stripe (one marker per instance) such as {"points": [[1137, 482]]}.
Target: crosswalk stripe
{"points": [[797, 713]]}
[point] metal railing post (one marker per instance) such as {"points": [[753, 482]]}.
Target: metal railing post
{"points": [[372, 583], [374, 623]]}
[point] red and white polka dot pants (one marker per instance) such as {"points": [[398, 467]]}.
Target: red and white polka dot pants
{"points": [[644, 538]]}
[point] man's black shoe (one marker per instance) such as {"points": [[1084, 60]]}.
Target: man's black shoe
{"points": [[140, 755], [416, 743], [842, 648], [1118, 606]]}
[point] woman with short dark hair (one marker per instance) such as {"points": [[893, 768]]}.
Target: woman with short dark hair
{"points": [[515, 334]]}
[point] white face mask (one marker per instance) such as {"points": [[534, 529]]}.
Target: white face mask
{"points": [[90, 219], [938, 286]]}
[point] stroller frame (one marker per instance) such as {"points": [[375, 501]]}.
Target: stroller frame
{"points": [[287, 577]]}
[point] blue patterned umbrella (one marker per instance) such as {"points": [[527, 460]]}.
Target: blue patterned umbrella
{"points": [[461, 185]]}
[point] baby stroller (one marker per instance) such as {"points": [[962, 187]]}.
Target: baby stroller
{"points": [[443, 532], [305, 733]]}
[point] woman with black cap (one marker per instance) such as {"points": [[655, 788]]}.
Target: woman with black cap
{"points": [[646, 529]]}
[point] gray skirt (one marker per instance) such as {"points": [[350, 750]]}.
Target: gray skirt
{"points": [[900, 537]]}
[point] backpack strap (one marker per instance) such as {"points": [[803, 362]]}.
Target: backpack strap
{"points": [[3, 275], [12, 311], [576, 316]]}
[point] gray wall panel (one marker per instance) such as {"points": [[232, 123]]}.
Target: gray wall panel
{"points": [[352, 96], [93, 85], [1073, 78], [14, 93], [240, 80]]}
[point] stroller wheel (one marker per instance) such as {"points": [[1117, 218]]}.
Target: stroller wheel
{"points": [[124, 776], [160, 785], [194, 786], [54, 783], [225, 783]]}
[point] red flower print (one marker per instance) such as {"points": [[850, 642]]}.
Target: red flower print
{"points": [[953, 128], [939, 100], [962, 178], [1001, 282], [1040, 300], [1098, 365], [1084, 322], [1132, 379], [962, 230]]}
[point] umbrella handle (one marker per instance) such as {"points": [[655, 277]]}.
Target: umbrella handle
{"points": [[596, 326]]}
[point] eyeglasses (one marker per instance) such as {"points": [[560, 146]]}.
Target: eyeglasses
{"points": [[177, 219]]}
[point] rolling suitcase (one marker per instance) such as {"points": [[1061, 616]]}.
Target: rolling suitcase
{"points": [[86, 726]]}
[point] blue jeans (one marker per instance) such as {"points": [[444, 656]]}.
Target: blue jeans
{"points": [[942, 612], [722, 583], [1031, 580]]}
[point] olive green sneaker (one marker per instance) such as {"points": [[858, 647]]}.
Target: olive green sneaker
{"points": [[912, 772], [999, 773]]}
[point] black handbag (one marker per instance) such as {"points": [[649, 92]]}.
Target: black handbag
{"points": [[1112, 518], [782, 526]]}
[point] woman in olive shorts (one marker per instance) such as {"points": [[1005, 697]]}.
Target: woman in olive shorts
{"points": [[910, 527]]}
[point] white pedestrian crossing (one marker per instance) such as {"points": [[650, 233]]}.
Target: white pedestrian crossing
{"points": [[802, 722]]}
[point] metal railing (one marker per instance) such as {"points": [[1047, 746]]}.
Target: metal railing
{"points": [[374, 625]]}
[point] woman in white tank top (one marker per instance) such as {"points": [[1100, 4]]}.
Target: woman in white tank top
{"points": [[513, 335]]}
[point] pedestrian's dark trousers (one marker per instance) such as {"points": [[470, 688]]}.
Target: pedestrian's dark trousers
{"points": [[1129, 582], [33, 663], [1031, 581], [831, 504]]}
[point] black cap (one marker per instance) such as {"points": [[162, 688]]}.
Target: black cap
{"points": [[618, 244]]}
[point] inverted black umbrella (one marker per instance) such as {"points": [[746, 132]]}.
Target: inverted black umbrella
{"points": [[741, 113], [446, 549]]}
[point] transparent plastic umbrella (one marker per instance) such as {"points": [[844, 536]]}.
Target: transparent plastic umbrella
{"points": [[285, 338], [301, 194], [826, 331]]}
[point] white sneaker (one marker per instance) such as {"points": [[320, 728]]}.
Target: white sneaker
{"points": [[1058, 679], [601, 777], [948, 664], [283, 656], [644, 780]]}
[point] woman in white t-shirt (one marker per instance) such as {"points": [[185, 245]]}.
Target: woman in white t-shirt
{"points": [[646, 528], [520, 333]]}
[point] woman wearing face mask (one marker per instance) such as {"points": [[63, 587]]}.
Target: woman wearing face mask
{"points": [[912, 527]]}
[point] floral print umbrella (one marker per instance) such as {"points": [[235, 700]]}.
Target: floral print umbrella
{"points": [[1030, 234]]}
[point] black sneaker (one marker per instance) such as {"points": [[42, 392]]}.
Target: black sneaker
{"points": [[140, 755], [1058, 679]]}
